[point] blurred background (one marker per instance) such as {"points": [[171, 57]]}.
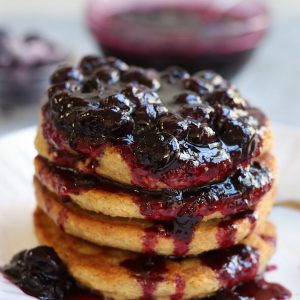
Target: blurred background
{"points": [[269, 79]]}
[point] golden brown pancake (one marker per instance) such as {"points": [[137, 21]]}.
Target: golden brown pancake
{"points": [[112, 272], [111, 164], [116, 203], [145, 235]]}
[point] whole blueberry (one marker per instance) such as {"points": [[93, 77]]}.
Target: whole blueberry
{"points": [[107, 74], [156, 149], [140, 95], [173, 124], [200, 134], [66, 73], [140, 76], [187, 98], [227, 97], [201, 112], [202, 87], [174, 74], [90, 63], [118, 100], [106, 122]]}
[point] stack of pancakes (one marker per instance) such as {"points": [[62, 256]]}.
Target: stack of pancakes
{"points": [[153, 185]]}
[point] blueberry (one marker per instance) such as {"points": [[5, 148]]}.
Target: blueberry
{"points": [[40, 273], [118, 100], [64, 110], [157, 149], [140, 95], [212, 77], [227, 97], [139, 76], [173, 124], [107, 74], [90, 86], [117, 64], [187, 98], [202, 113], [66, 73], [174, 74], [64, 104], [106, 122], [200, 134], [90, 63], [202, 87], [59, 89], [235, 132], [145, 115]]}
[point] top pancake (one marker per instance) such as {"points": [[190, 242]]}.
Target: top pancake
{"points": [[142, 128]]}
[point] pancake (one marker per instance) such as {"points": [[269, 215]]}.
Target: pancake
{"points": [[215, 201], [185, 235], [110, 164], [125, 275]]}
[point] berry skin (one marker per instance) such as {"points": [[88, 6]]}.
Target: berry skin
{"points": [[173, 75], [104, 122], [118, 100], [117, 64], [202, 113], [139, 76], [202, 87], [227, 97], [107, 75], [173, 124], [212, 77], [200, 134], [187, 98], [157, 150], [66, 73], [90, 63], [140, 95]]}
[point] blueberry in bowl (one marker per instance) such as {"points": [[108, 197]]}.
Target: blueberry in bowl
{"points": [[26, 63]]}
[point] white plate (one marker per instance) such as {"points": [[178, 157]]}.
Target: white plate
{"points": [[17, 204]]}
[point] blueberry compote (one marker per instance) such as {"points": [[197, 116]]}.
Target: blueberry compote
{"points": [[193, 34], [39, 272], [238, 193], [176, 213], [236, 268], [172, 128]]}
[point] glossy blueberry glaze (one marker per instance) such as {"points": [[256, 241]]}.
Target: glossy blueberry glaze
{"points": [[237, 193], [172, 127]]}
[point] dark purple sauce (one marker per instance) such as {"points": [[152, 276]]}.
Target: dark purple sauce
{"points": [[233, 265], [238, 193], [104, 101], [193, 36], [257, 289], [227, 229], [181, 230], [40, 273], [148, 271]]}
